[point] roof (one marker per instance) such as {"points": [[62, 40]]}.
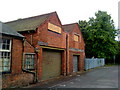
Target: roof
{"points": [[28, 24], [5, 29], [68, 27]]}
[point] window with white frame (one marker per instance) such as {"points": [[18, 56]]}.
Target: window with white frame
{"points": [[29, 61], [5, 55]]}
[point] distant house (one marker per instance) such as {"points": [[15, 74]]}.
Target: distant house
{"points": [[75, 48]]}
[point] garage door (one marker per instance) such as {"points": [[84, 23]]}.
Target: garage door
{"points": [[75, 63], [51, 65]]}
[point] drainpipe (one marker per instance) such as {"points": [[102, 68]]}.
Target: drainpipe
{"points": [[31, 37], [67, 54], [28, 71]]}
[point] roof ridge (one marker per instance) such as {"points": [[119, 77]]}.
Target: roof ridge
{"points": [[69, 27], [29, 23], [31, 17], [70, 24]]}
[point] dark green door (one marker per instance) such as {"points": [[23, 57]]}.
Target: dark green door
{"points": [[51, 64], [75, 63]]}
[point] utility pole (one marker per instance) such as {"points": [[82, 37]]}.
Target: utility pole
{"points": [[114, 59]]}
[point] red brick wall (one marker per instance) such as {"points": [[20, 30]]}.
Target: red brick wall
{"points": [[17, 80], [17, 55], [51, 38], [42, 34], [74, 44], [80, 64], [78, 45], [64, 63], [17, 77], [39, 64], [28, 48], [27, 36]]}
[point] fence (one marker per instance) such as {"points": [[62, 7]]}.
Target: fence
{"points": [[94, 62]]}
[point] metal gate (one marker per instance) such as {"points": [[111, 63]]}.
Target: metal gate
{"points": [[51, 64], [94, 62], [75, 63]]}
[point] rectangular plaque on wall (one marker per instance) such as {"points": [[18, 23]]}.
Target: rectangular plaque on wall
{"points": [[54, 28]]}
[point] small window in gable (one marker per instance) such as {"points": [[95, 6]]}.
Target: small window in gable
{"points": [[54, 28], [76, 37]]}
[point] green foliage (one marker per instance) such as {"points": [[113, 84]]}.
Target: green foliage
{"points": [[99, 35]]}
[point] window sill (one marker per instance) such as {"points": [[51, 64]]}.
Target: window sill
{"points": [[30, 69], [54, 32]]}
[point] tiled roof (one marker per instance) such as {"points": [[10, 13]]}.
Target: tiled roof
{"points": [[5, 29], [28, 24], [68, 27]]}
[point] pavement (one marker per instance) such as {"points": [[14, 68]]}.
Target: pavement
{"points": [[102, 77]]}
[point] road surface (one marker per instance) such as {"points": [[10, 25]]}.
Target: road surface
{"points": [[103, 77]]}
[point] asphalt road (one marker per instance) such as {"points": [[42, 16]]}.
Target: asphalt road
{"points": [[103, 77]]}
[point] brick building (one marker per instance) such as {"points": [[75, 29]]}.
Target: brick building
{"points": [[11, 54], [48, 48], [75, 48], [46, 35]]}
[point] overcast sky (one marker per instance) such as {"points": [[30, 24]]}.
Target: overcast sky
{"points": [[69, 11]]}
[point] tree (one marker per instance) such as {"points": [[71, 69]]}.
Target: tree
{"points": [[99, 35], [83, 26]]}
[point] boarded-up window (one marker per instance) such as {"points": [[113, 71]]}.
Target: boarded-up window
{"points": [[54, 28], [76, 37]]}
